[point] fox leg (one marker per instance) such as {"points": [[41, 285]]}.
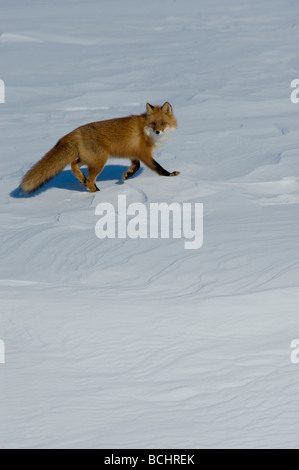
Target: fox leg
{"points": [[77, 172], [153, 165], [132, 170], [94, 170]]}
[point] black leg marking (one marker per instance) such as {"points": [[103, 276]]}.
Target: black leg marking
{"points": [[160, 170]]}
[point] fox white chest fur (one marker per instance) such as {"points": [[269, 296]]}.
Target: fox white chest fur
{"points": [[159, 137]]}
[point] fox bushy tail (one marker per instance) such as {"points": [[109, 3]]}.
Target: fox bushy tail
{"points": [[50, 165]]}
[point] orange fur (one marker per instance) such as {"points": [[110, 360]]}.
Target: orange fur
{"points": [[134, 137]]}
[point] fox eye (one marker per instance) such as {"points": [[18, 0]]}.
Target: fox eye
{"points": [[163, 123]]}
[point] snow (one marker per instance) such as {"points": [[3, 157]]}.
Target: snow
{"points": [[123, 343]]}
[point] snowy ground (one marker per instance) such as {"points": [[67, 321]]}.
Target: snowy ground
{"points": [[139, 343]]}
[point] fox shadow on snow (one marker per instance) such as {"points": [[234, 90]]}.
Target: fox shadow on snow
{"points": [[67, 180]]}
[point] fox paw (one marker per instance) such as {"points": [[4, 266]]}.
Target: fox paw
{"points": [[93, 189], [127, 174], [174, 173]]}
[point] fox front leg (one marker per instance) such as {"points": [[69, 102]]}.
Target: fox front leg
{"points": [[155, 166], [132, 170]]}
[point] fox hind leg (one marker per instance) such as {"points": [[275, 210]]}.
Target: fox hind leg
{"points": [[94, 170], [90, 181], [132, 170], [77, 172]]}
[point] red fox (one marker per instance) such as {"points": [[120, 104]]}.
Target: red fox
{"points": [[134, 137]]}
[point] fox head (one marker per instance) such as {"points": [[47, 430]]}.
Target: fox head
{"points": [[160, 122]]}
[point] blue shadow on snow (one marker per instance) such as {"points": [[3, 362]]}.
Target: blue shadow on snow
{"points": [[67, 180]]}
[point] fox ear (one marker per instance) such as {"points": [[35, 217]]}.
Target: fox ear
{"points": [[149, 108], [166, 108]]}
